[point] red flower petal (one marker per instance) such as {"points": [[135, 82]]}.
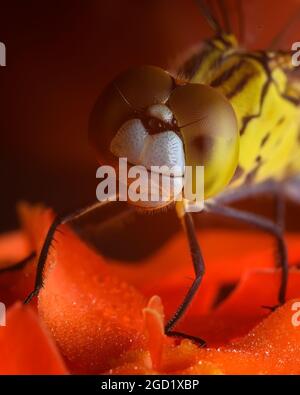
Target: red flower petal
{"points": [[26, 347], [14, 285], [169, 272], [154, 321], [237, 315], [273, 347], [93, 316], [14, 246]]}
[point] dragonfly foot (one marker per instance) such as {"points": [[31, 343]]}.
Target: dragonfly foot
{"points": [[272, 308], [197, 340]]}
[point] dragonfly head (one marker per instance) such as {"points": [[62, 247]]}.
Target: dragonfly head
{"points": [[151, 119]]}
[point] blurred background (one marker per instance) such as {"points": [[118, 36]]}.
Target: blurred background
{"points": [[60, 54]]}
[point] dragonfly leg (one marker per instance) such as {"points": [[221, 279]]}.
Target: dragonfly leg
{"points": [[280, 209], [59, 220], [19, 265], [198, 262], [194, 339], [280, 220], [265, 225]]}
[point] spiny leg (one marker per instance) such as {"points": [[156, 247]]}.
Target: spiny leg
{"points": [[291, 191], [280, 219], [194, 339], [265, 225], [279, 209], [105, 224], [198, 262], [19, 265], [59, 220], [272, 188], [269, 187]]}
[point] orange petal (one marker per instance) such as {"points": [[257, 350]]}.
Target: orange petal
{"points": [[272, 347], [26, 347], [133, 362], [35, 221], [93, 316], [15, 285], [14, 246], [154, 322], [169, 272], [238, 314], [180, 359]]}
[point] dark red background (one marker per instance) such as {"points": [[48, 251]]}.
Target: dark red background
{"points": [[60, 54]]}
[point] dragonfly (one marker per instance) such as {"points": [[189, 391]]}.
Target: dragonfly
{"points": [[234, 111]]}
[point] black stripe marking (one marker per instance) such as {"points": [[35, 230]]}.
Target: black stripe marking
{"points": [[192, 65], [237, 174], [268, 135], [249, 118], [265, 139], [291, 99], [263, 58], [281, 120], [240, 85], [223, 40], [227, 74], [251, 176]]}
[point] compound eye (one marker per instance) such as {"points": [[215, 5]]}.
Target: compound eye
{"points": [[126, 98], [209, 130], [145, 86]]}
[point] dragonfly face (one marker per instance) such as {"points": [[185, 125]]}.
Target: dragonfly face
{"points": [[151, 119]]}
